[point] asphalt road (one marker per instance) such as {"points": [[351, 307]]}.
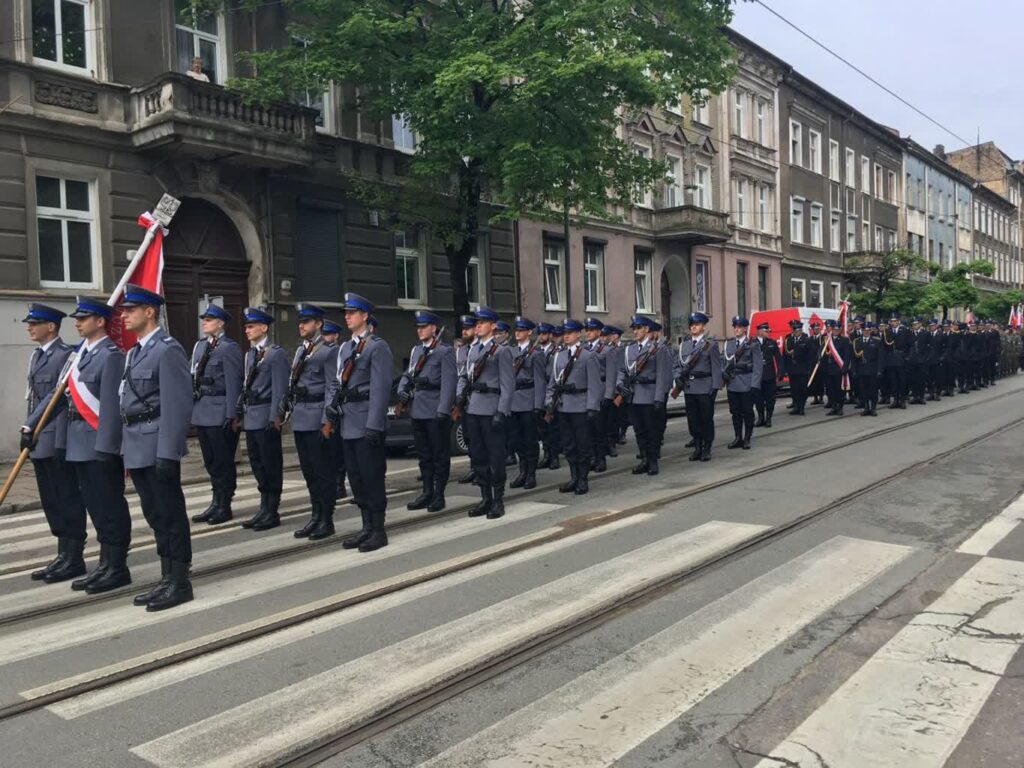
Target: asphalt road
{"points": [[847, 593]]}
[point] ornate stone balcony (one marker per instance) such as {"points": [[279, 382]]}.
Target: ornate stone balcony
{"points": [[690, 224]]}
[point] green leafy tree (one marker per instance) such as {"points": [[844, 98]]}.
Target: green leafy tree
{"points": [[514, 102], [996, 305], [952, 288], [880, 282]]}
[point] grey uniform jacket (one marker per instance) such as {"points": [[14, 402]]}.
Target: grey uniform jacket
{"points": [[612, 366], [747, 368], [320, 367], [99, 371], [494, 387], [606, 362], [156, 376], [433, 388], [369, 387], [269, 386], [705, 375], [584, 388], [221, 382], [654, 381], [531, 380], [44, 371]]}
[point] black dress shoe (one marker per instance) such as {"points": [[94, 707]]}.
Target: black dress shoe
{"points": [[480, 509], [420, 502], [737, 443]]}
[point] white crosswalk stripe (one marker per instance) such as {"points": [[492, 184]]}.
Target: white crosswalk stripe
{"points": [[995, 530], [598, 717], [345, 694]]}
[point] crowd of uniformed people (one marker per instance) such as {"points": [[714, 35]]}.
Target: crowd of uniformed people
{"points": [[527, 394]]}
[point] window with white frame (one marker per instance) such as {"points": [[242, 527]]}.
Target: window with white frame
{"points": [[797, 292], [816, 293], [878, 239], [65, 224], [642, 195], [865, 176], [816, 225], [796, 143], [403, 137], [835, 295], [554, 275], [741, 288], [890, 186], [833, 159], [851, 169], [199, 34], [879, 185], [314, 98], [702, 186], [700, 286], [739, 113], [851, 234], [61, 33], [796, 219], [741, 202], [977, 215], [865, 235], [761, 123], [762, 288], [476, 278], [700, 108], [673, 191], [834, 226], [911, 202], [642, 281], [410, 268], [593, 277], [763, 221], [814, 150]]}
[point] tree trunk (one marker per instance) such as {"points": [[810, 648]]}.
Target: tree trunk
{"points": [[468, 196]]}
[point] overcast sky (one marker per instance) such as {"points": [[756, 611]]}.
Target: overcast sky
{"points": [[958, 62]]}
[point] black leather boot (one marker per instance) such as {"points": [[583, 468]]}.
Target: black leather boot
{"points": [[80, 584], [582, 478], [705, 451], [324, 526], [486, 500], [519, 480], [159, 587], [643, 466], [652, 463], [205, 515], [260, 514], [426, 495], [748, 431], [340, 491], [697, 450], [600, 465], [61, 551], [530, 481], [378, 536], [469, 477], [352, 542], [691, 444], [178, 591], [272, 518], [72, 566], [115, 575], [497, 503], [554, 463], [223, 512], [311, 524], [545, 460], [574, 473], [737, 442]]}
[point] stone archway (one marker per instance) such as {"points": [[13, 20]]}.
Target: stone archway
{"points": [[203, 256], [676, 299]]}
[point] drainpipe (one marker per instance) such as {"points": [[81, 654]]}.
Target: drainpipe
{"points": [[516, 267]]}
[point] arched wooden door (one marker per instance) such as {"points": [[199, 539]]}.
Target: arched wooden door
{"points": [[203, 256]]}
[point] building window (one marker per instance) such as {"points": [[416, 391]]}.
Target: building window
{"points": [[65, 217], [816, 225], [762, 123], [911, 202], [642, 196], [796, 292], [890, 186], [796, 219], [700, 108], [314, 98], [762, 208], [796, 143], [741, 202], [865, 235], [60, 32], [403, 137], [673, 192], [739, 114], [851, 234], [702, 193], [814, 150], [474, 283], [642, 282], [879, 186], [835, 291], [851, 169], [762, 288], [833, 160], [593, 277], [741, 288], [878, 239], [890, 240], [554, 275], [199, 34], [865, 176], [814, 299], [700, 287], [410, 268], [834, 236]]}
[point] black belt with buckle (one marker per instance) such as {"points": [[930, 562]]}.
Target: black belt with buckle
{"points": [[308, 398], [136, 418], [524, 384]]}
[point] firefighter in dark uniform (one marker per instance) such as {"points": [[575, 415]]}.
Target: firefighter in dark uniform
{"points": [[771, 359], [595, 343], [216, 384], [264, 388], [936, 358], [834, 371], [156, 407], [742, 373], [331, 333], [313, 365], [484, 399], [816, 388], [963, 358], [642, 385], [55, 478], [870, 353], [427, 391], [918, 360], [529, 373], [897, 342], [467, 337], [950, 351], [575, 390], [800, 354], [549, 344], [356, 403], [698, 373], [856, 332]]}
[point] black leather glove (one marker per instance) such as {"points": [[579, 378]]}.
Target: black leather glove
{"points": [[228, 425], [375, 438], [109, 458], [404, 398], [659, 407], [26, 441], [332, 412], [168, 470], [498, 420], [606, 402]]}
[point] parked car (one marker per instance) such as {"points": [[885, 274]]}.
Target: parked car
{"points": [[399, 434]]}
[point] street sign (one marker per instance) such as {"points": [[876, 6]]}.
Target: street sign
{"points": [[166, 209]]}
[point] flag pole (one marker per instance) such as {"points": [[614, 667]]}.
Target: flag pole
{"points": [[162, 216]]}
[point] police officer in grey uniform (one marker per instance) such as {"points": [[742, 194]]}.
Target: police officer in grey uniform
{"points": [[312, 367], [643, 381], [742, 372], [331, 333], [698, 373], [484, 397], [467, 328], [548, 432], [427, 390], [216, 384], [593, 329], [55, 478], [264, 388], [357, 402], [528, 370], [609, 413], [94, 444], [575, 390], [156, 407]]}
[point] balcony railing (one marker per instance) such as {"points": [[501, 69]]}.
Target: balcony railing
{"points": [[690, 224]]}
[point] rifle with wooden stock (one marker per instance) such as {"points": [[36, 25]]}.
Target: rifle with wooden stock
{"points": [[556, 398], [406, 397], [333, 410], [688, 365], [629, 380], [462, 401]]}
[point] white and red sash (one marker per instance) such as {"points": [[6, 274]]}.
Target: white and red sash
{"points": [[86, 403]]}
